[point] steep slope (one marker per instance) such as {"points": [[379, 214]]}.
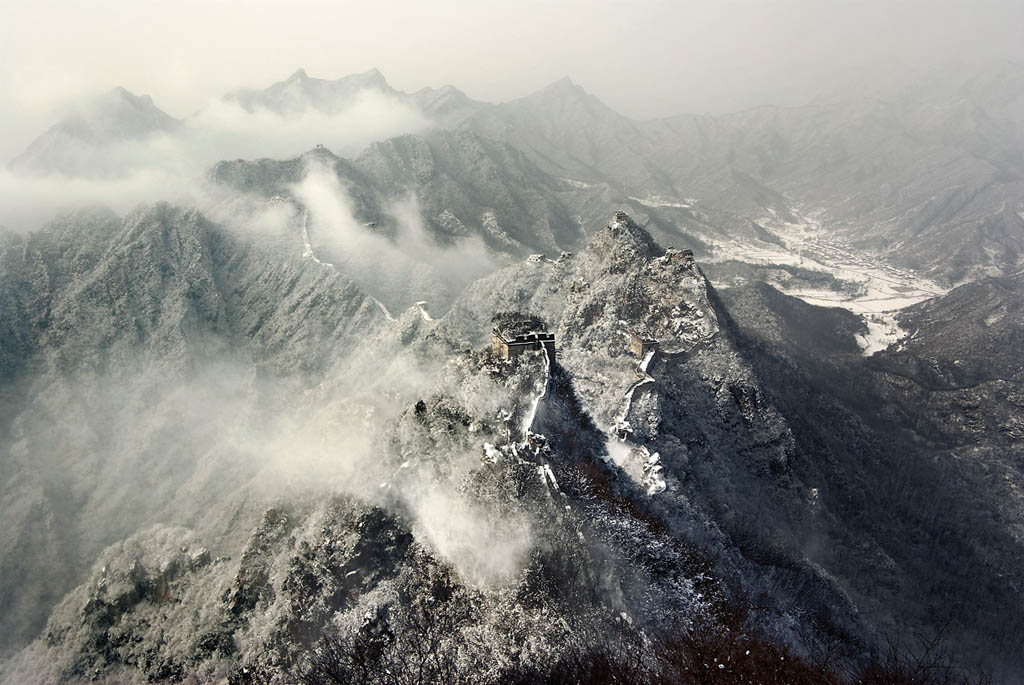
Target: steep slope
{"points": [[300, 93], [945, 405], [140, 357], [464, 185], [448, 106], [547, 508], [932, 183], [572, 133], [930, 178], [566, 131], [744, 431], [468, 184], [973, 333], [420, 198], [488, 562]]}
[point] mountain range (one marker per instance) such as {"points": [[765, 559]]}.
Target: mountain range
{"points": [[929, 178], [266, 438]]}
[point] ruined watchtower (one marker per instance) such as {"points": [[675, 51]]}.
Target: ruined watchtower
{"points": [[506, 344], [685, 256], [640, 344]]}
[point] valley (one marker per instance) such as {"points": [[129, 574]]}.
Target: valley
{"points": [[257, 432], [867, 285]]}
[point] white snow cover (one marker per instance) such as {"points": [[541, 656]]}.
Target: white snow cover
{"points": [[307, 247], [881, 289], [532, 414], [657, 201], [383, 309], [492, 453], [308, 253]]}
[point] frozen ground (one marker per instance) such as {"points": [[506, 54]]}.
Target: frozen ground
{"points": [[878, 290], [658, 201]]}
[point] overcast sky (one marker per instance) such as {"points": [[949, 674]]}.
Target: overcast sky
{"points": [[644, 57]]}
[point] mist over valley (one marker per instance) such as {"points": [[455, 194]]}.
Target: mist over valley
{"points": [[327, 380]]}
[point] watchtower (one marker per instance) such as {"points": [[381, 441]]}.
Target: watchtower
{"points": [[505, 345], [640, 344]]}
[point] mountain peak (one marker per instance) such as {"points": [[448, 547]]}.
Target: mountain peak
{"points": [[566, 92], [119, 94], [371, 77], [299, 75], [623, 241], [622, 224], [320, 153], [564, 86], [76, 145]]}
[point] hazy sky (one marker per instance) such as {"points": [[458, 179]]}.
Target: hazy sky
{"points": [[645, 57]]}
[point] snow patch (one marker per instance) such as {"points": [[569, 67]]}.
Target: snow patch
{"points": [[383, 309], [879, 289], [658, 201], [652, 468], [491, 453], [307, 247], [883, 331], [528, 421]]}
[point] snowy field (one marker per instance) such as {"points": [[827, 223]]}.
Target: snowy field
{"points": [[880, 290]]}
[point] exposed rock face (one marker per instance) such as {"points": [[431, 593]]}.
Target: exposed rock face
{"points": [[755, 435], [930, 177], [129, 347], [464, 186], [279, 463], [939, 427], [489, 186], [516, 513], [553, 558]]}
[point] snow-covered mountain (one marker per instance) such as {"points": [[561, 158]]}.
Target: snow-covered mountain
{"points": [[268, 438], [615, 503], [299, 93], [928, 178], [80, 143]]}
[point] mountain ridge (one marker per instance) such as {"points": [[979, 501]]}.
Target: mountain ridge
{"points": [[260, 438]]}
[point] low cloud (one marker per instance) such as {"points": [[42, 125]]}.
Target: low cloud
{"points": [[27, 202], [172, 165], [401, 269], [484, 550], [225, 130]]}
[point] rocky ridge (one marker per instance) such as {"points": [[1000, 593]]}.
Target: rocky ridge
{"points": [[607, 494]]}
